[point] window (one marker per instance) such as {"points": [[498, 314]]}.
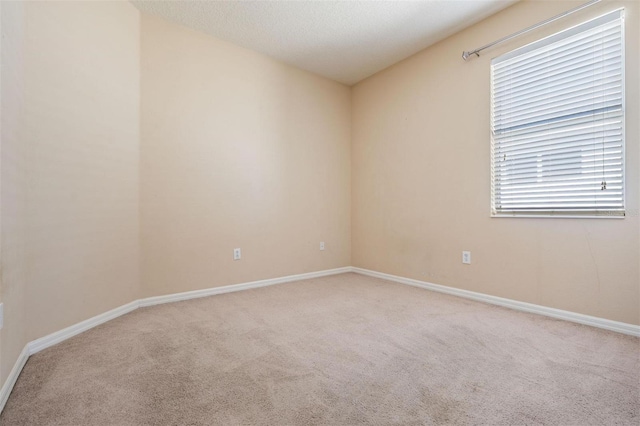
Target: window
{"points": [[557, 123]]}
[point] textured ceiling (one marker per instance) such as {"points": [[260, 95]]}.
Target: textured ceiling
{"points": [[346, 41]]}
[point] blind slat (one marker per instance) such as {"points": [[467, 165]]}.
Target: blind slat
{"points": [[571, 90], [599, 70], [577, 64]]}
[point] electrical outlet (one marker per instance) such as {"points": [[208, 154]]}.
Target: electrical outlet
{"points": [[466, 257], [322, 245], [237, 254]]}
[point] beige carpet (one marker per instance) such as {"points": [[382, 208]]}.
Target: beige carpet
{"points": [[340, 350]]}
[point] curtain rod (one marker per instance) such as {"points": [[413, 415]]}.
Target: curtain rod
{"points": [[466, 55]]}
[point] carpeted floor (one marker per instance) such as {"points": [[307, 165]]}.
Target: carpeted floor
{"points": [[340, 350]]}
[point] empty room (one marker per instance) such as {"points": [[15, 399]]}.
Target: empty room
{"points": [[320, 212]]}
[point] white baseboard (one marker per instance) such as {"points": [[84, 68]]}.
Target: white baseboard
{"points": [[176, 297], [66, 333], [5, 391], [37, 345], [620, 327]]}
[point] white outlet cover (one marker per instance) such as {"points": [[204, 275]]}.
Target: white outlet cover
{"points": [[466, 257], [322, 245], [237, 254]]}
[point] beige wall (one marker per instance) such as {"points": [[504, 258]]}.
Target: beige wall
{"points": [[421, 181], [12, 187], [70, 143], [82, 130], [238, 150]]}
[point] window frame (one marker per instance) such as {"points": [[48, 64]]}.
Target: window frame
{"points": [[593, 212]]}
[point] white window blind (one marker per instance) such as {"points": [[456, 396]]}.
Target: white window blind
{"points": [[557, 111]]}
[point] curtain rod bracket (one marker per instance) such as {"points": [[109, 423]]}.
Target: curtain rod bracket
{"points": [[466, 55]]}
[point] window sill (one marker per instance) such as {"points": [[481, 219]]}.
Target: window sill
{"points": [[557, 216]]}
